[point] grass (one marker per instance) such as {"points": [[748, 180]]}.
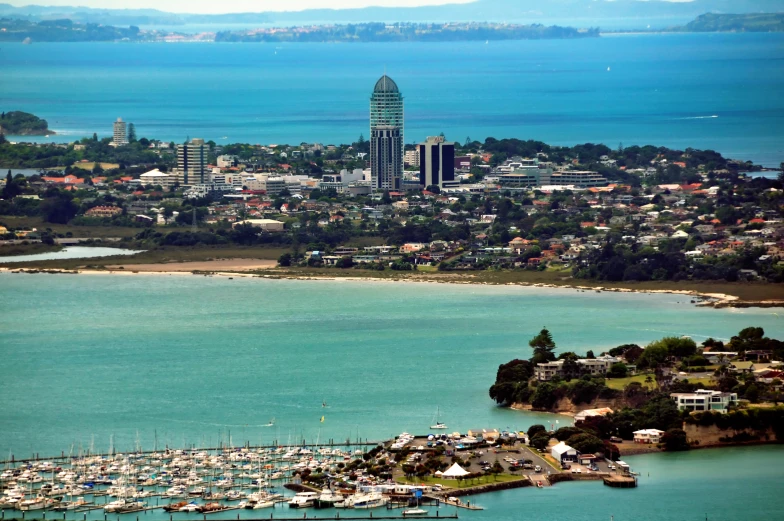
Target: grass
{"points": [[95, 232], [620, 383], [27, 249], [461, 484]]}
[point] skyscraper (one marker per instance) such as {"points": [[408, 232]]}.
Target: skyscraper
{"points": [[437, 163], [120, 135], [192, 161], [386, 135]]}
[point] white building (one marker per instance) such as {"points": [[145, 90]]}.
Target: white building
{"points": [[156, 177], [267, 225], [705, 400], [120, 134], [590, 366], [648, 436], [226, 161], [563, 453]]}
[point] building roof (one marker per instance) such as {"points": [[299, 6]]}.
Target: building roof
{"points": [[562, 448], [385, 84]]}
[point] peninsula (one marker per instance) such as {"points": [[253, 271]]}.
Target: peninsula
{"points": [[633, 218], [19, 123]]}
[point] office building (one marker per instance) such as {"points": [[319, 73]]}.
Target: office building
{"points": [[386, 158], [192, 162], [437, 163], [120, 135], [386, 135]]}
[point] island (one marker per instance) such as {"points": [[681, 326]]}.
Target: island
{"points": [[17, 123], [66, 30], [750, 22]]}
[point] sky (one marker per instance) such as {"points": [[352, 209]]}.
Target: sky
{"points": [[231, 6], [236, 6]]}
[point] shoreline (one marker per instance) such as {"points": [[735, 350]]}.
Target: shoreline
{"points": [[707, 299]]}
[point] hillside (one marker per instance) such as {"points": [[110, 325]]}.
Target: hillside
{"points": [[62, 31], [18, 123], [753, 22]]}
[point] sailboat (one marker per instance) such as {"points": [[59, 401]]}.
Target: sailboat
{"points": [[271, 423], [438, 424]]}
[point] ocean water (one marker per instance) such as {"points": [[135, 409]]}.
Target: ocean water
{"points": [[200, 360], [719, 91], [195, 360]]}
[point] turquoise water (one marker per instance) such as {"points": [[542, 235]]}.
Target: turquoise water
{"points": [[659, 89], [207, 359], [199, 359], [71, 252]]}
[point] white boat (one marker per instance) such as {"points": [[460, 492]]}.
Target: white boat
{"points": [[328, 498], [70, 505], [267, 503], [438, 424], [303, 500], [190, 507], [415, 512], [370, 500]]}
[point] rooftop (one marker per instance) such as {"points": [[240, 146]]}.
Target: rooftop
{"points": [[385, 84]]}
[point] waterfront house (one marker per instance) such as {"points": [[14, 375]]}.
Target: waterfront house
{"points": [[563, 453], [705, 400], [648, 436]]}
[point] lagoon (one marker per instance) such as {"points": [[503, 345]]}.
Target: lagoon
{"points": [[70, 252]]}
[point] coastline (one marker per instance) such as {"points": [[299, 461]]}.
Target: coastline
{"points": [[254, 268]]}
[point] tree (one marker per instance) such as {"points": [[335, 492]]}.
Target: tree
{"points": [[284, 260], [543, 346], [131, 133], [535, 429], [675, 440], [585, 443], [540, 441], [11, 188], [617, 370]]}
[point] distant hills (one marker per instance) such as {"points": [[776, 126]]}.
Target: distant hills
{"points": [[563, 12], [759, 23]]}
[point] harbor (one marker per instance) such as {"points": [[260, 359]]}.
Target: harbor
{"points": [[393, 479]]}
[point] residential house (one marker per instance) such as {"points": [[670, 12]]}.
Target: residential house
{"points": [[650, 436]]}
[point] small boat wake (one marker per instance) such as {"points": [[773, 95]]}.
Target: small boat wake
{"points": [[701, 117]]}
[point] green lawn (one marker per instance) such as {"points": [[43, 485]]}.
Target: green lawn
{"points": [[454, 483], [620, 383]]}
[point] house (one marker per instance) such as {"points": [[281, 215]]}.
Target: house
{"points": [[704, 400], [489, 435], [563, 453], [648, 436], [103, 211], [589, 413], [267, 225]]}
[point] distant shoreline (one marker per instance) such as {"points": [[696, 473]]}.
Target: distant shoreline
{"points": [[707, 299]]}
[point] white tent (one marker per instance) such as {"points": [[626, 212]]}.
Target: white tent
{"points": [[455, 471]]}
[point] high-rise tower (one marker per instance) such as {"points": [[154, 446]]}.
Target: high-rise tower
{"points": [[386, 135], [192, 161], [120, 134]]}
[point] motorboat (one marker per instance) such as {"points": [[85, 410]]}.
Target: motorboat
{"points": [[190, 507], [328, 498], [370, 500], [303, 500], [70, 505]]}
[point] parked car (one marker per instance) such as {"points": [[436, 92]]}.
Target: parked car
{"points": [[537, 469], [576, 471], [566, 466], [616, 439]]}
